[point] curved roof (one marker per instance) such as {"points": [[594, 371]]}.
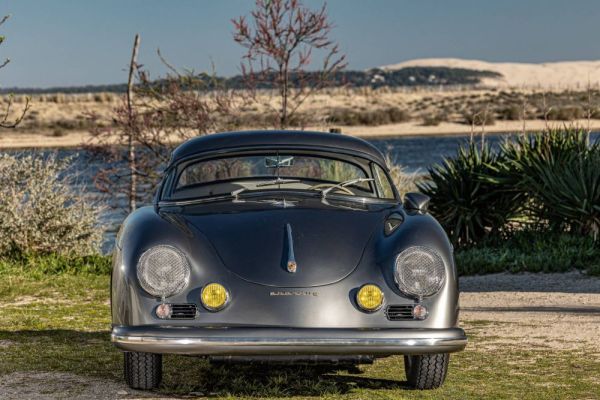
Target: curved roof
{"points": [[276, 138]]}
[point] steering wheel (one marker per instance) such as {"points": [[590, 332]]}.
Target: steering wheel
{"points": [[326, 185]]}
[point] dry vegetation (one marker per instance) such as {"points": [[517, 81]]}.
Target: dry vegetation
{"points": [[43, 210], [364, 111]]}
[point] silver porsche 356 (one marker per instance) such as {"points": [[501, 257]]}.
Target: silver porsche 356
{"points": [[282, 246]]}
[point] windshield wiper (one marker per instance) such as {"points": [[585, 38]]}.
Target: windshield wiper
{"points": [[236, 193], [279, 181], [340, 185]]}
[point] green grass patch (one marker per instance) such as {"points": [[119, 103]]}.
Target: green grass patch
{"points": [[505, 372], [531, 252], [61, 323], [34, 264]]}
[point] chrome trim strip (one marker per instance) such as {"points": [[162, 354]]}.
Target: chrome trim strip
{"points": [[277, 345], [286, 342], [291, 263]]}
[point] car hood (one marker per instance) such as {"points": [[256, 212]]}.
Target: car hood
{"points": [[251, 238]]}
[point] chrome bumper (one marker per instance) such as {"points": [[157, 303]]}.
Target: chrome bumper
{"points": [[287, 341]]}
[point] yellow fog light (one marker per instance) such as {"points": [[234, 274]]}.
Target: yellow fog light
{"points": [[214, 297], [369, 297]]}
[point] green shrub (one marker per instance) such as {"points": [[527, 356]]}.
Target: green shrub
{"points": [[566, 113], [434, 120], [510, 113], [529, 251], [559, 172], [58, 132], [40, 210], [390, 115], [466, 199], [479, 118], [545, 181]]}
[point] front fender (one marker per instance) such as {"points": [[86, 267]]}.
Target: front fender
{"points": [[423, 230], [142, 230]]}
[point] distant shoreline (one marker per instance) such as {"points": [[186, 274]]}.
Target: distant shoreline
{"points": [[10, 140]]}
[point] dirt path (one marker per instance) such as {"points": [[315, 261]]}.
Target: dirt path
{"points": [[558, 311], [56, 385]]}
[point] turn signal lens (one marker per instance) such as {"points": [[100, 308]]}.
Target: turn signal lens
{"points": [[164, 311], [214, 297], [420, 311], [369, 297]]}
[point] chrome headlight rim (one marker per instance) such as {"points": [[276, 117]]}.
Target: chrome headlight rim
{"points": [[143, 281], [400, 282]]}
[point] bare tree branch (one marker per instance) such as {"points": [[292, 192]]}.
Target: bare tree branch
{"points": [[153, 118], [131, 124], [280, 45], [4, 120]]}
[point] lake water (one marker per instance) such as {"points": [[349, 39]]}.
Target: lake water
{"points": [[415, 153]]}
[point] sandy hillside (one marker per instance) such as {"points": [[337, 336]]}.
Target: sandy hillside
{"points": [[551, 75]]}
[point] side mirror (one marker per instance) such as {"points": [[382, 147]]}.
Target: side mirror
{"points": [[416, 202]]}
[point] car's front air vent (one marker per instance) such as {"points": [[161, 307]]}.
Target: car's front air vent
{"points": [[399, 312], [183, 311]]}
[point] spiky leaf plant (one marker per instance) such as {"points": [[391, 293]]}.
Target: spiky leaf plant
{"points": [[559, 172], [465, 197]]}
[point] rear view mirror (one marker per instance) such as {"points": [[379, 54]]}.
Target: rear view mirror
{"points": [[279, 161]]}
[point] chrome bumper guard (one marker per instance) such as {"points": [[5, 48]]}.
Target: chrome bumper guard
{"points": [[286, 341]]}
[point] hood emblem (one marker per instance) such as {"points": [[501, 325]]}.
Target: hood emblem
{"points": [[291, 261]]}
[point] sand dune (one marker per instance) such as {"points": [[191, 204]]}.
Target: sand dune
{"points": [[551, 75]]}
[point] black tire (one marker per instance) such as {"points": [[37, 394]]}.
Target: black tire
{"points": [[426, 371], [143, 370]]}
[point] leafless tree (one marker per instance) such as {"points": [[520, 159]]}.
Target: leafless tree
{"points": [[280, 40], [5, 119], [130, 128], [524, 115], [590, 108], [154, 117], [546, 110]]}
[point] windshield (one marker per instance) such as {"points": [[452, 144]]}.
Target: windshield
{"points": [[246, 173]]}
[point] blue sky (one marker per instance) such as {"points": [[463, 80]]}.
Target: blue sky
{"points": [[75, 42]]}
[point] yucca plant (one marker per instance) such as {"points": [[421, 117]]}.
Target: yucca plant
{"points": [[570, 192], [467, 199], [559, 172]]}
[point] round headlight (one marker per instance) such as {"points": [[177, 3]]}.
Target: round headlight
{"points": [[369, 297], [163, 271], [214, 297], [419, 271]]}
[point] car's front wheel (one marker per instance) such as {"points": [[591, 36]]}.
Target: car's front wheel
{"points": [[427, 371], [143, 370]]}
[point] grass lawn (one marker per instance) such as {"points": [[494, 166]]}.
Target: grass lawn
{"points": [[60, 324]]}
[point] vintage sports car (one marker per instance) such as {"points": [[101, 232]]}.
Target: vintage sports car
{"points": [[282, 246]]}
